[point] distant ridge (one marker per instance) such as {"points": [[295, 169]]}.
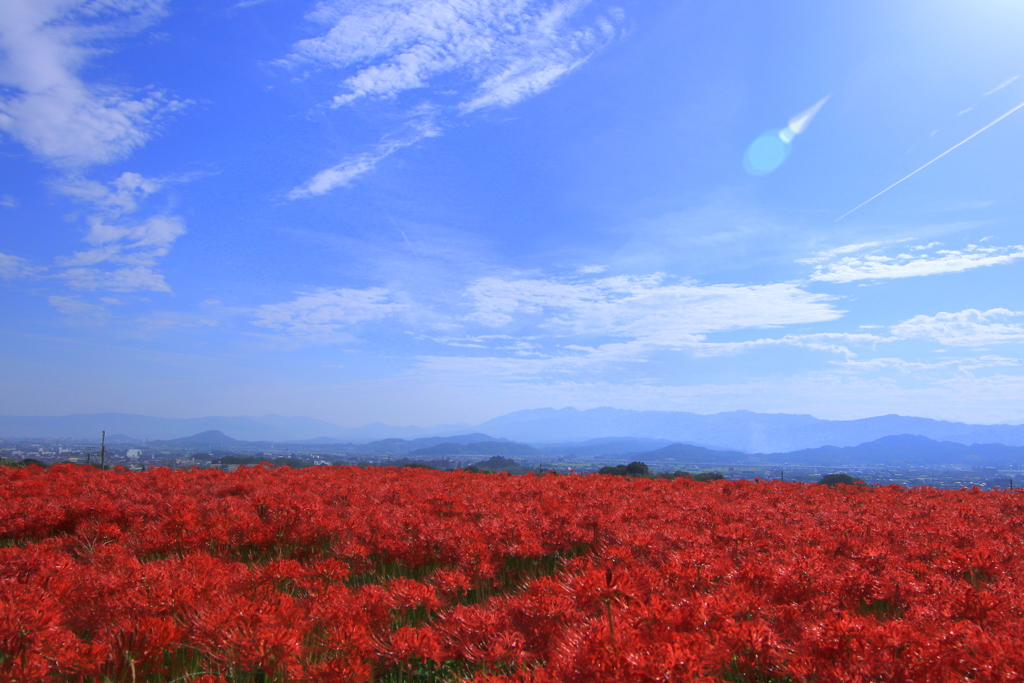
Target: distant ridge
{"points": [[739, 430], [564, 428], [211, 437], [899, 450], [479, 444], [606, 446], [912, 450], [687, 453], [495, 448], [406, 446], [275, 428]]}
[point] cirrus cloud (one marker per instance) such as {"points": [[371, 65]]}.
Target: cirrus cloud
{"points": [[326, 314], [970, 327], [45, 104], [654, 306], [507, 49], [488, 53], [124, 252], [845, 264]]}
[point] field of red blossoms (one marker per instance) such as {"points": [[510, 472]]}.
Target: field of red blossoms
{"points": [[389, 574]]}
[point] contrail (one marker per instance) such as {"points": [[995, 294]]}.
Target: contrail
{"points": [[1019, 106]]}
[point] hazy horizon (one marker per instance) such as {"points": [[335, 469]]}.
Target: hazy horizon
{"points": [[473, 425], [421, 212]]}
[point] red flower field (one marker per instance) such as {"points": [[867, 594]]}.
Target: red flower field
{"points": [[389, 574]]}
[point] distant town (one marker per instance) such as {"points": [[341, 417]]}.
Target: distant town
{"points": [[217, 451]]}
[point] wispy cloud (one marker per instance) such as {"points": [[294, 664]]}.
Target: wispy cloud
{"points": [[580, 319], [123, 252], [489, 53], [875, 264], [511, 361], [245, 4], [77, 310], [506, 49], [8, 201], [348, 170], [574, 359], [327, 315], [45, 104], [831, 342], [505, 367], [1002, 85], [633, 319], [120, 196], [832, 254], [167, 320], [970, 327], [964, 365], [583, 322], [647, 306], [13, 267]]}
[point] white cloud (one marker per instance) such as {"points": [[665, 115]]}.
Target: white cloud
{"points": [[835, 266], [119, 279], [831, 254], [1002, 85], [831, 342], [46, 106], [349, 169], [964, 328], [323, 314], [490, 53], [504, 368], [122, 196], [653, 307], [77, 310], [124, 252], [12, 267], [630, 318], [964, 365], [526, 362], [166, 320], [509, 49], [8, 201]]}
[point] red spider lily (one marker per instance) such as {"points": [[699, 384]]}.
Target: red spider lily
{"points": [[342, 574]]}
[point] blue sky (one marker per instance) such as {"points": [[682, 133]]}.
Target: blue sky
{"points": [[440, 211]]}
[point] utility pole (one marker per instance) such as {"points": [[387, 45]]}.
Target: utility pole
{"points": [[103, 450], [88, 455], [783, 472]]}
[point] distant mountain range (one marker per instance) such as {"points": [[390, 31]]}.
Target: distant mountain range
{"points": [[890, 451], [564, 431], [908, 449], [897, 450], [472, 444], [212, 438], [273, 428], [739, 430], [500, 448], [608, 446]]}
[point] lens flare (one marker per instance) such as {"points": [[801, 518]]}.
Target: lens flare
{"points": [[766, 153], [770, 150]]}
